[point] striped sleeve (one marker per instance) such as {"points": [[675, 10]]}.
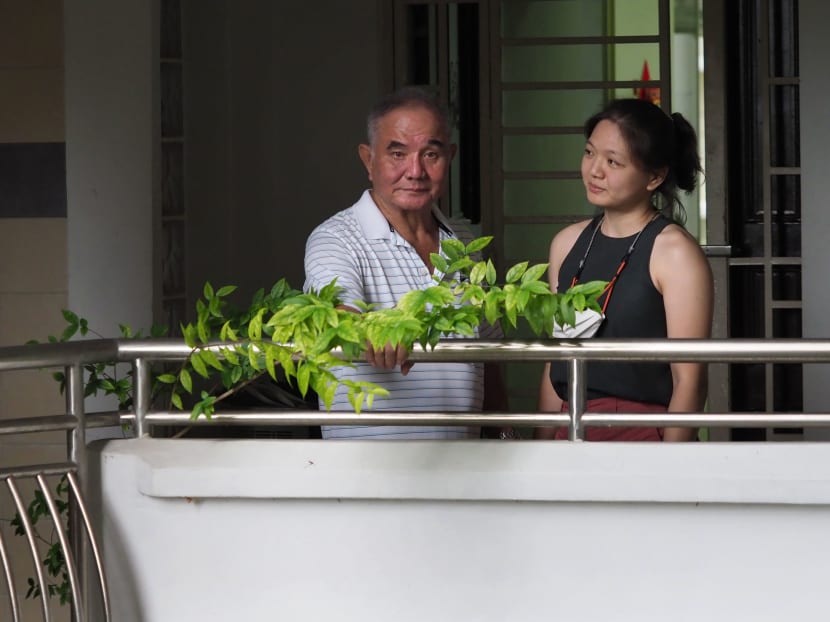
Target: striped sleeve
{"points": [[327, 257]]}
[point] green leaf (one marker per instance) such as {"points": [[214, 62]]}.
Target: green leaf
{"points": [[189, 334], [539, 288], [253, 357], [453, 248], [69, 316], [534, 273], [199, 364], [269, 363], [202, 330], [185, 380], [255, 326], [303, 375], [491, 273], [230, 356], [516, 272], [439, 262], [478, 244], [207, 291], [226, 290], [69, 332], [176, 400], [478, 273], [209, 357]]}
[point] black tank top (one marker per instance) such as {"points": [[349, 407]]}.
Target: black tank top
{"points": [[635, 311]]}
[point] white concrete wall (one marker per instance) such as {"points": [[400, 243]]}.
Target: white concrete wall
{"points": [[814, 15], [111, 71], [314, 530]]}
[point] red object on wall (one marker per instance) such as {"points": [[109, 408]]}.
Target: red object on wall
{"points": [[650, 93]]}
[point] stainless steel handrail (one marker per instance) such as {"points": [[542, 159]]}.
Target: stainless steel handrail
{"points": [[575, 352]]}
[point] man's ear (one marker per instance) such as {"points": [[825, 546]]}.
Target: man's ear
{"points": [[453, 150], [657, 178], [365, 153]]}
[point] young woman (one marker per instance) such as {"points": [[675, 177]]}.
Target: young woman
{"points": [[637, 159]]}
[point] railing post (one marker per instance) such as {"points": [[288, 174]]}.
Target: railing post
{"points": [[576, 398], [141, 395], [78, 455]]}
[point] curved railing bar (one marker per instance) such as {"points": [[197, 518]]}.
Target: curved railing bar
{"points": [[30, 537], [7, 570], [69, 559], [93, 543]]}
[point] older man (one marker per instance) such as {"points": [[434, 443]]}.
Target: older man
{"points": [[379, 249]]}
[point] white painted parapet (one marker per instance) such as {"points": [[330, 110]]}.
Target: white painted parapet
{"points": [[249, 530]]}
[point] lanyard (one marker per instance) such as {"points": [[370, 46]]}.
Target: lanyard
{"points": [[623, 262]]}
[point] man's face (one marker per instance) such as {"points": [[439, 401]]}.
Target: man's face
{"points": [[409, 160]]}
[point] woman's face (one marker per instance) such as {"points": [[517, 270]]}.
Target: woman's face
{"points": [[613, 179]]}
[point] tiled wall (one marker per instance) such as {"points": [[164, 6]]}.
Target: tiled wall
{"points": [[33, 277], [33, 272]]}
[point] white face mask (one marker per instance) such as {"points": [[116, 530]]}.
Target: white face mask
{"points": [[587, 324]]}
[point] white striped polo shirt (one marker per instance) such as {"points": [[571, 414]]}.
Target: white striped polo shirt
{"points": [[375, 265]]}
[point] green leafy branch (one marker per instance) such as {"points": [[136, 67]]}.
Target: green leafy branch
{"points": [[292, 335], [103, 377]]}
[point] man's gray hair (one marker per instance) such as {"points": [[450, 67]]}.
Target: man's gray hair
{"points": [[406, 97]]}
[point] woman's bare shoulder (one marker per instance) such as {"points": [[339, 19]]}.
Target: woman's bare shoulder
{"points": [[675, 240], [567, 237], [560, 246]]}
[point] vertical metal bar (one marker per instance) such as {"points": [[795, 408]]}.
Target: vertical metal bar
{"points": [[141, 395], [576, 398], [96, 552], [75, 408], [495, 163], [766, 186], [77, 455], [68, 557], [30, 537], [664, 27], [7, 569], [714, 107]]}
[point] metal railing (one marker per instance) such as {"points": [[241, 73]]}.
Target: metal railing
{"points": [[576, 353], [75, 535], [141, 354]]}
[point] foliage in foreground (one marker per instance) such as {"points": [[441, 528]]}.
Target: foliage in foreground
{"points": [[300, 334], [299, 338]]}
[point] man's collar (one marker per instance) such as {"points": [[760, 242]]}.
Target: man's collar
{"points": [[374, 223]]}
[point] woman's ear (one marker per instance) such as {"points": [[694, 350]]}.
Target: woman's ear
{"points": [[657, 178]]}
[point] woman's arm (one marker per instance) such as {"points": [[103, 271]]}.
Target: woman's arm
{"points": [[682, 274]]}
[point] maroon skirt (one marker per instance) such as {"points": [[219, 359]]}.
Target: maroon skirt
{"points": [[616, 433]]}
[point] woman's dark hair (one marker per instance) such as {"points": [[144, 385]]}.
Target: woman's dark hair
{"points": [[656, 141], [407, 97]]}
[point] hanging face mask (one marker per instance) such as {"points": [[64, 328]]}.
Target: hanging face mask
{"points": [[587, 324]]}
